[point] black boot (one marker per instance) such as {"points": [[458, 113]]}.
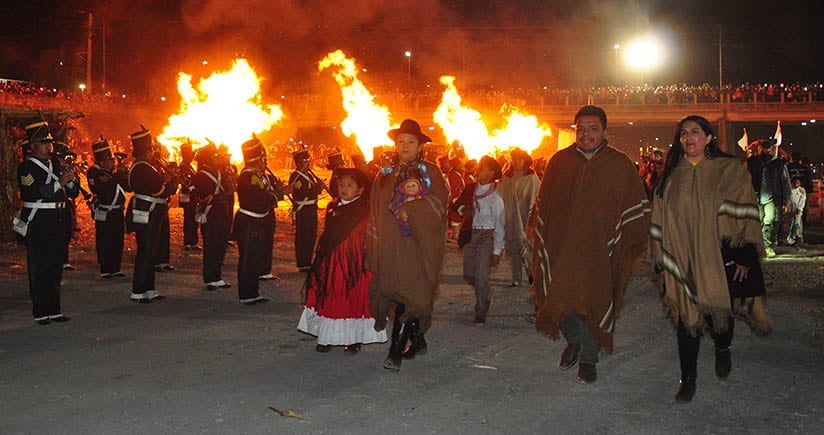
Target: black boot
{"points": [[417, 342], [723, 363], [686, 390], [400, 334]]}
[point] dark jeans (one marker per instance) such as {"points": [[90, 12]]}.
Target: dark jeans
{"points": [[576, 330]]}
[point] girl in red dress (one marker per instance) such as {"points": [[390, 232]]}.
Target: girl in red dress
{"points": [[337, 286]]}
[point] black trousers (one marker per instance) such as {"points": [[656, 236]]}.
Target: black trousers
{"points": [[688, 346], [109, 241], [70, 224], [161, 254], [268, 244], [306, 232], [189, 224], [44, 257], [147, 236], [215, 236], [250, 233]]}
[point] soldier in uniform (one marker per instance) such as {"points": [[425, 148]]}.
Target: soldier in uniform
{"points": [[109, 189], [255, 221], [306, 187], [144, 216], [43, 184], [162, 254], [335, 164], [187, 203], [213, 215], [66, 158]]}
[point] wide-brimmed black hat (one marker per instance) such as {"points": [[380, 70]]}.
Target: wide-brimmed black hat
{"points": [[39, 132], [102, 150], [141, 141], [409, 126]]}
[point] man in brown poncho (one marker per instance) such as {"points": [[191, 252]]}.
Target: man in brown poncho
{"points": [[591, 225]]}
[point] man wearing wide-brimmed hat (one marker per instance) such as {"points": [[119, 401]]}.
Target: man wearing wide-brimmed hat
{"points": [[109, 189], [43, 185], [145, 213], [254, 223], [306, 187]]}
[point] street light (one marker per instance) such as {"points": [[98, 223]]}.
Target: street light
{"points": [[408, 55], [645, 54], [616, 47]]}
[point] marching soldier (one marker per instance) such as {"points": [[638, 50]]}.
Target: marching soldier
{"points": [[145, 213], [162, 255], [109, 189], [44, 185], [335, 164], [254, 222], [187, 203], [213, 215], [306, 188]]}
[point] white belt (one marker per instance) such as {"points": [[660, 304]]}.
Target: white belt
{"points": [[151, 199], [108, 207], [252, 214], [307, 202], [44, 204]]}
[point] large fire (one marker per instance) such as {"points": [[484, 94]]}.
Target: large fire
{"points": [[466, 126], [366, 121], [224, 108]]}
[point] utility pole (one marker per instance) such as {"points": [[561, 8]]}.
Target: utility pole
{"points": [[720, 65], [103, 83], [89, 56]]}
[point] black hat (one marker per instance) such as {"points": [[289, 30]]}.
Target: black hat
{"points": [[186, 153], [206, 153], [141, 141], [301, 155], [39, 132], [492, 163], [253, 150], [412, 127], [102, 150], [335, 160]]}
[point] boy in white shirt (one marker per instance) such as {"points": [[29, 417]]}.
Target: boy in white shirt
{"points": [[798, 199], [483, 211]]}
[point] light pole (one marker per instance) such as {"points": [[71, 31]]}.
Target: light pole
{"points": [[616, 47], [408, 55]]}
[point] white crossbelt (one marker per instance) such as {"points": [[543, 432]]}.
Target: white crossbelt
{"points": [[151, 199], [35, 205], [252, 214]]}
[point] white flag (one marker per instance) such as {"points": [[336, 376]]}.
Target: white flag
{"points": [[744, 141], [777, 135]]}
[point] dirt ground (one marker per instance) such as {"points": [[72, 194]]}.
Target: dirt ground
{"points": [[200, 362]]}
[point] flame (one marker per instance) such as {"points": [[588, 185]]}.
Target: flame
{"points": [[225, 108], [366, 121], [466, 126]]}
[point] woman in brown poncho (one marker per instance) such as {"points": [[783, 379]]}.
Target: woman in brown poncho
{"points": [[405, 245], [706, 239]]}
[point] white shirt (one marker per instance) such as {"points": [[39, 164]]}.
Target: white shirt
{"points": [[489, 214]]}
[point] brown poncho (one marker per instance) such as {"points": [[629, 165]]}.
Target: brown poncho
{"points": [[407, 269], [704, 207], [591, 225]]}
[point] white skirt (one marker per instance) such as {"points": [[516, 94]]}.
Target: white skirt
{"points": [[340, 332]]}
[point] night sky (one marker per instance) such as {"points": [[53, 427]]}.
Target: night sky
{"points": [[486, 43]]}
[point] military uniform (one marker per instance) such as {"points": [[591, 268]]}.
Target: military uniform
{"points": [[213, 216], [186, 200], [306, 188], [162, 252], [144, 215], [254, 224], [109, 191], [42, 222]]}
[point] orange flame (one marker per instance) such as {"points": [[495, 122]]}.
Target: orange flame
{"points": [[466, 126], [366, 121], [225, 108]]}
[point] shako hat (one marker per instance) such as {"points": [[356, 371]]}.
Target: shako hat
{"points": [[301, 155], [102, 150], [207, 153], [186, 152], [38, 132], [409, 126], [141, 141], [335, 160], [253, 150]]}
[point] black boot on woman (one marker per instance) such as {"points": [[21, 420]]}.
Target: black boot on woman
{"points": [[723, 363], [400, 334], [417, 342], [686, 390]]}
